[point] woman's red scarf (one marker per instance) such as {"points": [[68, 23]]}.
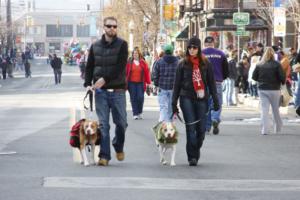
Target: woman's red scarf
{"points": [[197, 78]]}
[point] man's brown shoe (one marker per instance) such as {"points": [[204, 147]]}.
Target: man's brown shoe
{"points": [[103, 162], [120, 156]]}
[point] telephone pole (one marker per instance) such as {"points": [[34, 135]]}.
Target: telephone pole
{"points": [[9, 27]]}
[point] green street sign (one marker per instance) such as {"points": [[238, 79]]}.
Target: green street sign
{"points": [[241, 18]]}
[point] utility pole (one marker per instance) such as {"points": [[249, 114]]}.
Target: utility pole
{"points": [[240, 2], [9, 27], [161, 17]]}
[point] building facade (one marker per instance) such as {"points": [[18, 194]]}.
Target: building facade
{"points": [[215, 18], [53, 32]]}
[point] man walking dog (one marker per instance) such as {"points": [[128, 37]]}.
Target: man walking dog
{"points": [[106, 66]]}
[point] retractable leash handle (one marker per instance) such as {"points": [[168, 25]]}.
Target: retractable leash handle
{"points": [[90, 95]]}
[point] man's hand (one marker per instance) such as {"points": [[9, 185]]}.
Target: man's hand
{"points": [[99, 83], [175, 109]]}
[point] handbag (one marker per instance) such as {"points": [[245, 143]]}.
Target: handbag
{"points": [[296, 67], [286, 96]]}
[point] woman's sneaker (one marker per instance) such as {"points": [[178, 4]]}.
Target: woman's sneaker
{"points": [[135, 117], [140, 116]]}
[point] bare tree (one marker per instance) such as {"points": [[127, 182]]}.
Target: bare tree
{"points": [[144, 14]]}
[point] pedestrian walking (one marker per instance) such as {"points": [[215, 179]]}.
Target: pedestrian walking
{"points": [[106, 69], [19, 63], [252, 84], [269, 75], [163, 78], [3, 66], [297, 93], [56, 64], [27, 69], [229, 82], [138, 77], [194, 75], [82, 64], [220, 68]]}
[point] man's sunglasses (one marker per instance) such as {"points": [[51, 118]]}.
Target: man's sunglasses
{"points": [[109, 26], [192, 47]]}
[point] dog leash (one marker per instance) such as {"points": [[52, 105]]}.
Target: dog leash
{"points": [[180, 119], [89, 94]]}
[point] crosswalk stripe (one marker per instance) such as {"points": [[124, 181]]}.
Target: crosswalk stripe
{"points": [[172, 184]]}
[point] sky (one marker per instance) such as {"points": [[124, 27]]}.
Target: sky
{"points": [[67, 4]]}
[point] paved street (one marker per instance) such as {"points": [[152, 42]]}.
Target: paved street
{"points": [[36, 159]]}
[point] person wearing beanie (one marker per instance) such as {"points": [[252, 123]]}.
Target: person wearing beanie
{"points": [[193, 75], [220, 68], [163, 78]]}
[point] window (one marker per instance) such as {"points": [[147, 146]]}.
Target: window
{"points": [[228, 22], [59, 30], [83, 30]]}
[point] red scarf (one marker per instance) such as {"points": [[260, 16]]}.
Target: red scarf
{"points": [[197, 78]]}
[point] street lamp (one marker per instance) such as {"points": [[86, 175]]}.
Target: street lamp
{"points": [[131, 28]]}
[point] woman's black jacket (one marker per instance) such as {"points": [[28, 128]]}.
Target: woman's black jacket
{"points": [[183, 85]]}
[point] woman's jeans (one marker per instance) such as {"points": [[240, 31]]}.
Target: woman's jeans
{"points": [[165, 105], [136, 92], [253, 89], [229, 91], [194, 110], [114, 102]]}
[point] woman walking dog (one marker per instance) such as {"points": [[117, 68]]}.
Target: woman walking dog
{"points": [[194, 76]]}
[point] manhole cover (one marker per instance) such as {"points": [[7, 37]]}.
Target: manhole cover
{"points": [[7, 153]]}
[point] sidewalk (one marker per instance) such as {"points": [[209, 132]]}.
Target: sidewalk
{"points": [[254, 103]]}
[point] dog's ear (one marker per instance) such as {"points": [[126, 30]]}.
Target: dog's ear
{"points": [[81, 129]]}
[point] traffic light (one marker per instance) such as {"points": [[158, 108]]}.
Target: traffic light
{"points": [[169, 11]]}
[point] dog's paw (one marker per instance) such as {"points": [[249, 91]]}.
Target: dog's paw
{"points": [[173, 164], [164, 162], [86, 164]]}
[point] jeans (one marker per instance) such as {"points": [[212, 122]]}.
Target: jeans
{"points": [[253, 90], [114, 102], [194, 110], [215, 115], [165, 105], [57, 75], [136, 92], [297, 99], [229, 91]]}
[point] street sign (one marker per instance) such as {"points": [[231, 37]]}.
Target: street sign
{"points": [[240, 31], [279, 22], [241, 18]]}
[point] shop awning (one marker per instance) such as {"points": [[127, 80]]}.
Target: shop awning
{"points": [[183, 34]]}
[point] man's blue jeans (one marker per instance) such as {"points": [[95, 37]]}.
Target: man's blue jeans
{"points": [[165, 105], [114, 102], [215, 115], [136, 91], [194, 110], [229, 91]]}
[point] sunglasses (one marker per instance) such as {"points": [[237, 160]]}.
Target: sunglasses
{"points": [[109, 26], [192, 47]]}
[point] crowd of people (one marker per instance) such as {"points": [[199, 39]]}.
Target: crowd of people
{"points": [[15, 61]]}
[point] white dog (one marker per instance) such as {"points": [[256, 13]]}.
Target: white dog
{"points": [[166, 137], [88, 135]]}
